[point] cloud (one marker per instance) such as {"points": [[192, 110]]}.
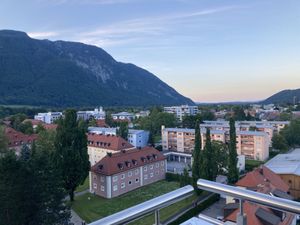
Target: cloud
{"points": [[43, 35]]}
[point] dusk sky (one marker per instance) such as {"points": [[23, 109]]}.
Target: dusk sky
{"points": [[213, 50]]}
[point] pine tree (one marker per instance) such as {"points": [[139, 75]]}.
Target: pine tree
{"points": [[123, 130], [184, 178], [196, 156], [233, 173], [25, 153], [3, 140], [71, 152]]}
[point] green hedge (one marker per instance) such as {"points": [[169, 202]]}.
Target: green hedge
{"points": [[172, 177], [196, 210]]}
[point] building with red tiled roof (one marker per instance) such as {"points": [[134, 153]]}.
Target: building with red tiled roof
{"points": [[265, 181], [17, 139], [101, 123], [99, 145], [124, 171], [35, 123]]}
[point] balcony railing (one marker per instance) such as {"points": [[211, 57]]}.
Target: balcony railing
{"points": [[154, 205]]}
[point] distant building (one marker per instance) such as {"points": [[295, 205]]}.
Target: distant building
{"points": [[48, 117], [183, 110], [138, 138], [264, 181], [142, 114], [123, 116], [252, 144], [103, 130], [35, 124], [287, 166], [16, 139], [98, 114], [127, 170], [99, 145]]}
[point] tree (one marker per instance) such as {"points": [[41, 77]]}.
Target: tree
{"points": [[39, 128], [92, 122], [239, 113], [3, 140], [190, 121], [233, 173], [109, 120], [196, 156], [16, 120], [185, 178], [207, 115], [209, 167], [25, 153], [71, 152], [123, 130], [26, 127], [291, 133], [221, 157], [279, 143]]}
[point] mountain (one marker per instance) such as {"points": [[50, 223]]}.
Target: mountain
{"points": [[65, 74], [285, 96]]}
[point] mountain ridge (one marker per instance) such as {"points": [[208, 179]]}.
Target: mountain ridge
{"points": [[61, 73]]}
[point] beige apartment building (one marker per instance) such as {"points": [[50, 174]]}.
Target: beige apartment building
{"points": [[252, 144], [127, 170], [99, 145]]}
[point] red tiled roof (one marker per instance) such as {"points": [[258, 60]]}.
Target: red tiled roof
{"points": [[101, 123], [108, 141], [16, 138], [50, 126], [123, 161], [263, 178]]}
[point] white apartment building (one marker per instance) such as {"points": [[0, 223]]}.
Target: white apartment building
{"points": [[48, 117], [183, 110], [103, 130], [123, 116], [138, 138], [98, 114]]}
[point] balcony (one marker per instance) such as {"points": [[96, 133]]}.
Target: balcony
{"points": [[154, 205]]}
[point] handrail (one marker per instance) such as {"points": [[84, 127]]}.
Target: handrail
{"points": [[147, 207], [252, 196]]}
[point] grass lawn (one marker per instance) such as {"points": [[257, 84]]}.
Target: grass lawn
{"points": [[83, 187], [97, 207]]}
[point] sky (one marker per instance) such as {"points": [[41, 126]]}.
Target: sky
{"points": [[208, 50]]}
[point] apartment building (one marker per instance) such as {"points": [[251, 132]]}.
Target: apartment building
{"points": [[183, 110], [99, 145], [125, 171], [16, 140], [138, 138], [126, 116], [252, 144], [48, 117], [98, 114], [103, 130]]}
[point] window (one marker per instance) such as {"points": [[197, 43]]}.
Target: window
{"points": [[136, 180], [130, 182], [95, 177], [157, 165], [123, 185], [145, 168], [115, 187], [122, 176], [102, 188], [102, 179], [162, 163], [129, 173], [136, 172], [151, 167], [145, 176], [115, 178], [151, 174], [95, 186], [157, 172]]}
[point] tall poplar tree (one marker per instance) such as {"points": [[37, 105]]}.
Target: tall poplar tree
{"points": [[196, 156], [71, 154], [233, 173]]}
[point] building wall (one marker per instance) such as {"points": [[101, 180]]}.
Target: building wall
{"points": [[121, 183], [96, 154], [294, 183], [139, 139]]}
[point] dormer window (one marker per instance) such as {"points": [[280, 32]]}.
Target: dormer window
{"points": [[128, 164], [143, 159], [134, 162], [121, 166], [100, 167], [154, 156], [149, 157]]}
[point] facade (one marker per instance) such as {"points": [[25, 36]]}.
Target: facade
{"points": [[103, 130], [99, 145], [138, 138], [48, 117], [252, 144], [264, 181], [183, 110], [142, 114], [16, 139], [127, 170], [287, 166], [98, 114], [126, 116]]}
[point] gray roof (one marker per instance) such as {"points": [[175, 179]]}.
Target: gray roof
{"points": [[267, 216], [285, 164]]}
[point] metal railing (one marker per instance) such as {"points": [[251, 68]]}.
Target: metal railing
{"points": [[145, 208]]}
